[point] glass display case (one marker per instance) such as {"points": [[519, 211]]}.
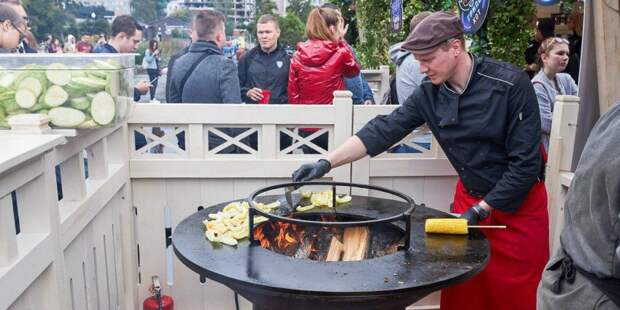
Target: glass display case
{"points": [[73, 90]]}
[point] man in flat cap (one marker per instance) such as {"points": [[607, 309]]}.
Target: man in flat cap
{"points": [[484, 114]]}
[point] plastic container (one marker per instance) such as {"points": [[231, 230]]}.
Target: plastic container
{"points": [[73, 90]]}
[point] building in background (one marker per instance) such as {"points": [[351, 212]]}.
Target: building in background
{"points": [[240, 12], [119, 7]]}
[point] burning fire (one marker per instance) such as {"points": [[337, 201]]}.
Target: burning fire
{"points": [[285, 235]]}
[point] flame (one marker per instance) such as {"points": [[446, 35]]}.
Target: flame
{"points": [[284, 235]]}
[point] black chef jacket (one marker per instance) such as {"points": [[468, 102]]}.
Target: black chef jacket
{"points": [[490, 133], [265, 71]]}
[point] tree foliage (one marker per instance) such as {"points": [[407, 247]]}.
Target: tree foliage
{"points": [[373, 20], [506, 32], [300, 8], [147, 10], [291, 30], [504, 36], [46, 17]]}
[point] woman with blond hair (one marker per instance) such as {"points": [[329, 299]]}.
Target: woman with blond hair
{"points": [[320, 64], [553, 56]]}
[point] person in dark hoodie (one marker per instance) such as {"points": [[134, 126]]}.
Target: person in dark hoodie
{"points": [[585, 271], [266, 66], [204, 74]]}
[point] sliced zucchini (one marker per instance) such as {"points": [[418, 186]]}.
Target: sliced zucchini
{"points": [[58, 74], [66, 117], [103, 108]]}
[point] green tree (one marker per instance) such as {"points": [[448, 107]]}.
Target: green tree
{"points": [[506, 31], [182, 14], [145, 10], [291, 30], [300, 8], [373, 20], [97, 26], [46, 17]]}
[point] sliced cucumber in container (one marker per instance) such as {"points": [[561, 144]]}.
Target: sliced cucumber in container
{"points": [[103, 108], [80, 103], [66, 117], [25, 98], [7, 80], [35, 85], [37, 107], [10, 105], [89, 84], [55, 96], [58, 74], [74, 90], [9, 94]]}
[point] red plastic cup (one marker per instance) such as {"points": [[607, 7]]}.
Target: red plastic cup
{"points": [[266, 96]]}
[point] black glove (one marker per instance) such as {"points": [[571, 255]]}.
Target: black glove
{"points": [[309, 172], [475, 214]]}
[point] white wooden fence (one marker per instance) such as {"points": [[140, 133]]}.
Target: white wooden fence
{"points": [[98, 247], [74, 253]]}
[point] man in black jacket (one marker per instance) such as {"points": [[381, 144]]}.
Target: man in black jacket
{"points": [[266, 66], [484, 115]]}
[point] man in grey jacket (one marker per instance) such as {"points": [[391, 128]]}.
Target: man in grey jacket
{"points": [[585, 272], [408, 75], [205, 75]]}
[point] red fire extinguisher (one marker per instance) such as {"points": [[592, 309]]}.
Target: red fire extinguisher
{"points": [[158, 301]]}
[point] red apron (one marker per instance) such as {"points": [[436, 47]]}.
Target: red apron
{"points": [[518, 256]]}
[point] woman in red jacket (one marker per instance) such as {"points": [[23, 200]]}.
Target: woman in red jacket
{"points": [[319, 64]]}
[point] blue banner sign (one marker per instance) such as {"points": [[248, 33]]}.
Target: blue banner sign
{"points": [[547, 2], [397, 15], [473, 13]]}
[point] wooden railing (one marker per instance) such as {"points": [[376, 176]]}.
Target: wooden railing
{"points": [[76, 252], [81, 252]]}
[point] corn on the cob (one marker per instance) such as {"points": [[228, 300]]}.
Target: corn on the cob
{"points": [[454, 226]]}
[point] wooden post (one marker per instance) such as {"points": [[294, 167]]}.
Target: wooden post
{"points": [[607, 43], [561, 144], [343, 107]]}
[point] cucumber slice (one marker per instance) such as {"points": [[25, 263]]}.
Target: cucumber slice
{"points": [[74, 90], [25, 98], [7, 79], [66, 117], [89, 84], [81, 103], [58, 74], [32, 84], [55, 96], [103, 108]]}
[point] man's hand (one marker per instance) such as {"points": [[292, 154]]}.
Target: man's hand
{"points": [[309, 172], [143, 87], [474, 214], [255, 94]]}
